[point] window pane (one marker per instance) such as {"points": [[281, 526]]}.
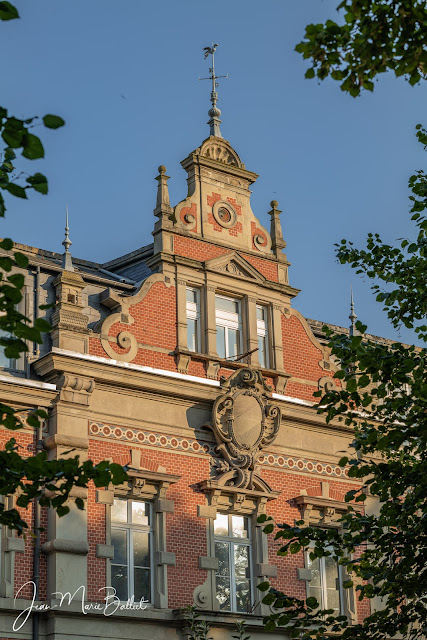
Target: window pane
{"points": [[192, 295], [222, 553], [315, 592], [332, 583], [220, 341], [227, 304], [233, 343], [142, 589], [221, 525], [223, 593], [192, 334], [239, 526], [119, 542], [314, 565], [261, 351], [140, 513], [4, 362], [119, 511], [141, 549], [119, 581], [241, 561], [243, 599], [260, 313]]}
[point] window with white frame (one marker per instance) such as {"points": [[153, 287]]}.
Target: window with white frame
{"points": [[132, 539], [262, 336], [232, 537], [326, 583], [228, 326], [193, 319]]}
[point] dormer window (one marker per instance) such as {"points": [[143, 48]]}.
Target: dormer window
{"points": [[228, 326]]}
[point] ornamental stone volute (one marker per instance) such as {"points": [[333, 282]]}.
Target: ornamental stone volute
{"points": [[244, 422]]}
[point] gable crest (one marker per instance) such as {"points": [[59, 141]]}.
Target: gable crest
{"points": [[221, 151]]}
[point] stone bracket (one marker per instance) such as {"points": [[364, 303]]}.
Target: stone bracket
{"points": [[304, 574], [61, 545], [164, 505], [104, 497], [210, 564], [165, 557], [267, 570], [105, 551], [203, 511], [13, 544]]}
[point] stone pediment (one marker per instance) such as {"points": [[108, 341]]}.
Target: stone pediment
{"points": [[221, 151], [234, 265]]}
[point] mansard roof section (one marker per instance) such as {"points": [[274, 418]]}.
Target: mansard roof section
{"points": [[217, 206]]}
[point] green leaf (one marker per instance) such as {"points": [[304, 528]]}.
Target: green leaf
{"points": [[8, 11], [33, 148], [6, 244], [268, 528], [53, 122], [39, 183], [21, 260], [2, 206], [312, 603], [263, 586], [309, 73], [16, 190]]}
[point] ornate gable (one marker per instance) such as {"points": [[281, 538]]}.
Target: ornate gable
{"points": [[234, 265]]}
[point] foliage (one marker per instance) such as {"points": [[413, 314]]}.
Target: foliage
{"points": [[376, 36], [241, 630], [384, 400], [35, 477], [196, 628]]}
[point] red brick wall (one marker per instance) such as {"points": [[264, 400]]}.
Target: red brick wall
{"points": [[300, 358]]}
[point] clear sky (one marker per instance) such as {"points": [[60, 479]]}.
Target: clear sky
{"points": [[124, 76]]}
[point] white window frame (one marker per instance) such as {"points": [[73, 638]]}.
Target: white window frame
{"points": [[193, 313], [229, 320], [323, 590], [262, 332], [129, 527], [232, 541]]}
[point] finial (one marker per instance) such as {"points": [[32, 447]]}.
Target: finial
{"points": [[214, 113], [67, 262], [352, 316], [163, 208], [277, 242]]}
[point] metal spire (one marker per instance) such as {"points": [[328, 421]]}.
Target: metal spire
{"points": [[214, 112], [67, 262], [352, 317]]}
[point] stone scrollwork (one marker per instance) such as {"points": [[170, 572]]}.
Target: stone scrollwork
{"points": [[244, 423]]}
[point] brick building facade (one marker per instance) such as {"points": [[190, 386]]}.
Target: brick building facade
{"points": [[187, 361]]}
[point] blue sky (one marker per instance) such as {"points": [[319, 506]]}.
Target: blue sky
{"points": [[124, 76]]}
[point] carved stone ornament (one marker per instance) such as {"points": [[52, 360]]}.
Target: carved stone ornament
{"points": [[244, 423]]}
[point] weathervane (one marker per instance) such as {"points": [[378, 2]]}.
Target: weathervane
{"points": [[214, 112]]}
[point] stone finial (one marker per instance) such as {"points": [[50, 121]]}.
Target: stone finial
{"points": [[163, 208], [162, 188], [277, 242], [67, 262], [352, 317]]}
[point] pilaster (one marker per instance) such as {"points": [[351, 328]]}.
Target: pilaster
{"points": [[67, 544]]}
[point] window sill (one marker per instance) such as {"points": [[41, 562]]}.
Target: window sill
{"points": [[213, 364]]}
